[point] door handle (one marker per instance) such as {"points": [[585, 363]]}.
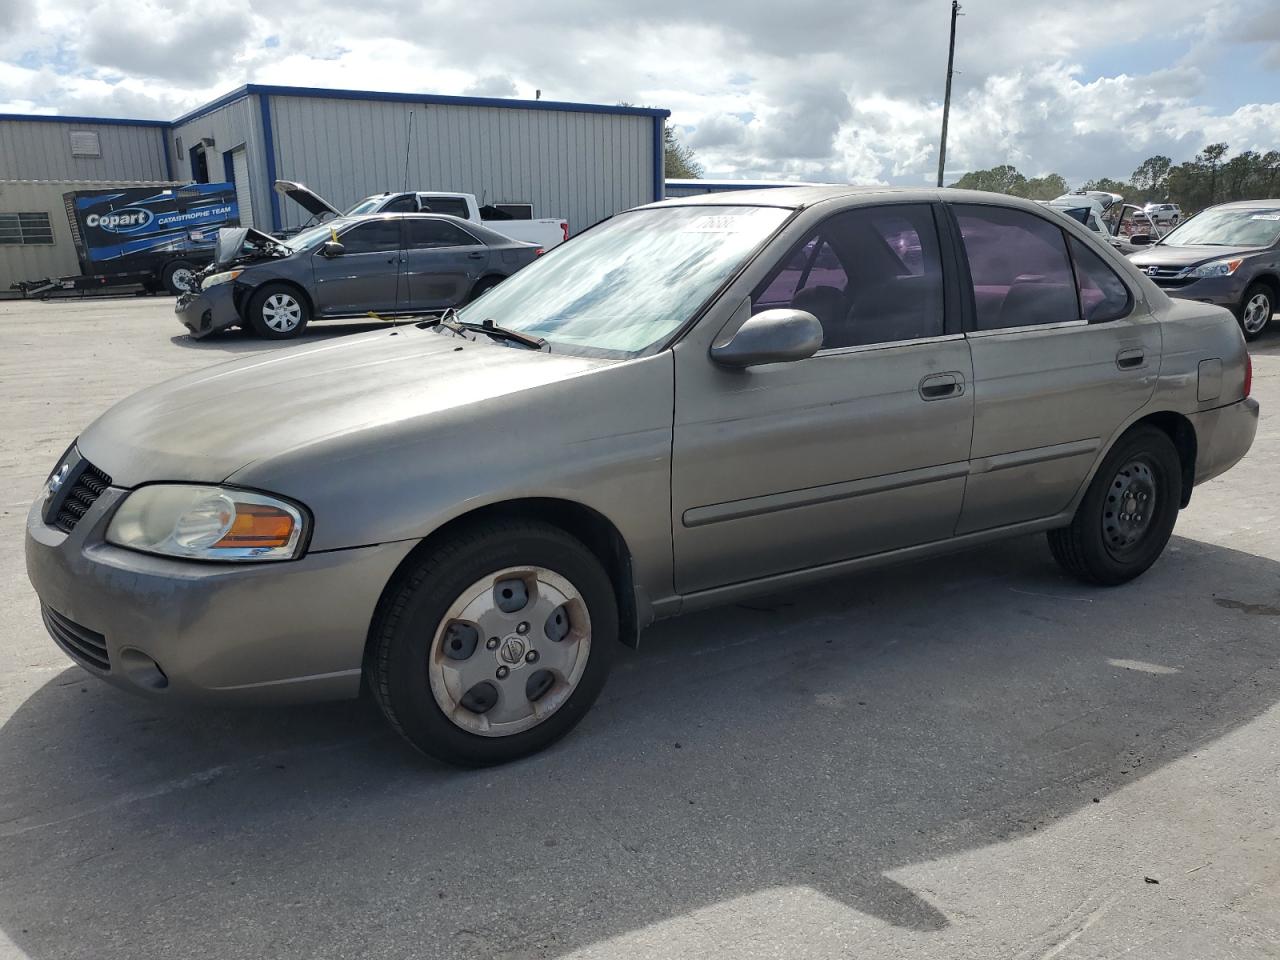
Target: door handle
{"points": [[1131, 359], [940, 386], [476, 255]]}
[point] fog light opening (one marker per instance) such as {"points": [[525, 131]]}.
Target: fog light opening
{"points": [[142, 670]]}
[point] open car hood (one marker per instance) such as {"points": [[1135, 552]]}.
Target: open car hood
{"points": [[306, 198], [232, 241]]}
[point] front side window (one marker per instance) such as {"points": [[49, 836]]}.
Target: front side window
{"points": [[376, 236], [1103, 295], [402, 204], [1019, 268], [630, 283], [870, 275], [425, 233]]}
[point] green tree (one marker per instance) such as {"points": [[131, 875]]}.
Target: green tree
{"points": [[1152, 176], [1001, 179], [679, 161], [1210, 158], [1048, 187], [1107, 185]]}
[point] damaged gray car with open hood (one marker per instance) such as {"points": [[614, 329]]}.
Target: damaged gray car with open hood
{"points": [[384, 264]]}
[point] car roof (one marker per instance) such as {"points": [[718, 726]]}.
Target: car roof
{"points": [[798, 197]]}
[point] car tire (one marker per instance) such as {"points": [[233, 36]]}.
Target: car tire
{"points": [[278, 311], [179, 277], [1127, 514], [1255, 310], [483, 286], [473, 679]]}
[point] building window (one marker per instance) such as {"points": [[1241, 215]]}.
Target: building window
{"points": [[25, 229], [84, 143]]}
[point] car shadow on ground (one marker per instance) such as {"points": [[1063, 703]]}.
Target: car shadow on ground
{"points": [[821, 738], [236, 340]]}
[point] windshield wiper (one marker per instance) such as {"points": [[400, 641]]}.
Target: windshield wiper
{"points": [[505, 333]]}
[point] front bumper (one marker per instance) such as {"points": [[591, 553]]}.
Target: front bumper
{"points": [[272, 632], [1223, 436], [1220, 291], [207, 311]]}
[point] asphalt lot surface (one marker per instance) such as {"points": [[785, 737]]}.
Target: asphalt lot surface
{"points": [[967, 757]]}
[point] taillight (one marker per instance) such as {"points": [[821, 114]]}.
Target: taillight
{"points": [[564, 226], [1248, 373]]}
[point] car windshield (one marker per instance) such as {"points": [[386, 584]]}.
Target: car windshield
{"points": [[367, 205], [1227, 228], [311, 237], [631, 282]]}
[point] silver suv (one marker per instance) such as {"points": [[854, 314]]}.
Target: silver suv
{"points": [[693, 402]]}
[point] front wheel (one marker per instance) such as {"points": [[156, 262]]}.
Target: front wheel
{"points": [[278, 312], [1127, 514], [494, 645], [1255, 310]]}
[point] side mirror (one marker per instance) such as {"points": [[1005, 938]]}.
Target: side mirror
{"points": [[1140, 239], [332, 248], [771, 336]]}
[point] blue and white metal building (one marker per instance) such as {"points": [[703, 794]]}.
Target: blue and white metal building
{"points": [[579, 161]]}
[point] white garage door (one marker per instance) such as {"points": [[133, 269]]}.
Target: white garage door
{"points": [[240, 165]]}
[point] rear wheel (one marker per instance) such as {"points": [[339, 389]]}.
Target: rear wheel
{"points": [[1127, 514], [495, 645], [483, 286], [277, 311], [179, 277], [1255, 310]]}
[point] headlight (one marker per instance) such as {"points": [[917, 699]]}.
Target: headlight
{"points": [[1217, 268], [214, 279], [208, 523]]}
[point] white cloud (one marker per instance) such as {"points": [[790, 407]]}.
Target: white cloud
{"points": [[807, 89]]}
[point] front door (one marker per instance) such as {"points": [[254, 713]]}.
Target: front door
{"points": [[365, 277], [440, 264], [859, 449], [1061, 359]]}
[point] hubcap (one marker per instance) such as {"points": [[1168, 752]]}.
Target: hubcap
{"points": [[184, 279], [536, 635], [281, 312], [1257, 312], [1131, 501]]}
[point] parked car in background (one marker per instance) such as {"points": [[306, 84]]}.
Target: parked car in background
{"points": [[1089, 212], [512, 220], [695, 401], [1163, 214], [1228, 255], [386, 264]]}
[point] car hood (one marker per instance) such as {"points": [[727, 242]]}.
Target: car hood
{"points": [[1167, 256], [231, 242], [206, 426], [306, 198]]}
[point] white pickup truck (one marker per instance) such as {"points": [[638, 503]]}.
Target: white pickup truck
{"points": [[508, 219]]}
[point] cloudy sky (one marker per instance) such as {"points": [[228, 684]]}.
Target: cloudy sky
{"points": [[843, 90]]}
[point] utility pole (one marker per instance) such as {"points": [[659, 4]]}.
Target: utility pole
{"points": [[946, 103]]}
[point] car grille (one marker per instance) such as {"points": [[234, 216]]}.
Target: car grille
{"points": [[82, 485], [80, 643], [1167, 276]]}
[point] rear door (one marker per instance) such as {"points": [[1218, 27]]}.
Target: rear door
{"points": [[440, 263], [1060, 360], [366, 276]]}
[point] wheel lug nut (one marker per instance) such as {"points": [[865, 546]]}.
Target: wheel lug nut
{"points": [[531, 656], [522, 627], [502, 673], [492, 643]]}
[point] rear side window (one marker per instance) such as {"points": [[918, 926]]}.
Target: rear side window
{"points": [[1103, 295], [1019, 268], [375, 236], [426, 233], [453, 206]]}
